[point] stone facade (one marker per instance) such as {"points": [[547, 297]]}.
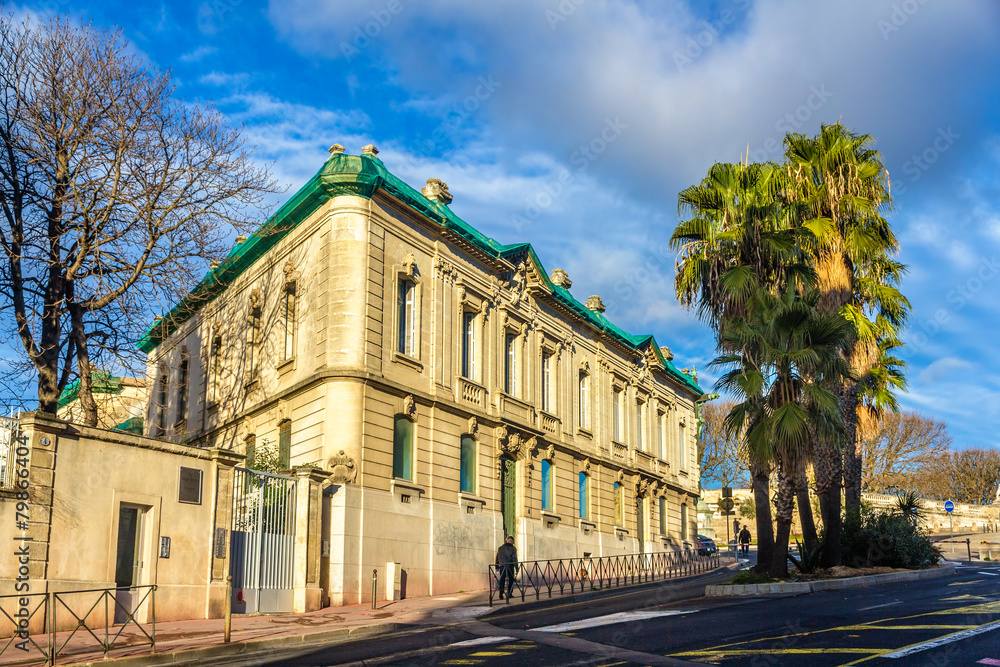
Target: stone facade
{"points": [[365, 315]]}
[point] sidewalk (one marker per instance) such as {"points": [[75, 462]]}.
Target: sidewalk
{"points": [[201, 639]]}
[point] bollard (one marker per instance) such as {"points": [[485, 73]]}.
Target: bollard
{"points": [[374, 586], [968, 547], [228, 631]]}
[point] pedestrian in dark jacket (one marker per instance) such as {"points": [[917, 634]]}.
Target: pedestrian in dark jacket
{"points": [[507, 565], [745, 541]]}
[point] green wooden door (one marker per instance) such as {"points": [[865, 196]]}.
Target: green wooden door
{"points": [[508, 490]]}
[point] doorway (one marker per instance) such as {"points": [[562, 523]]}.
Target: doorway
{"points": [[508, 495], [128, 560]]}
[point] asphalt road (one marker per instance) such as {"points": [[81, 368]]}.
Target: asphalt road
{"points": [[948, 621]]}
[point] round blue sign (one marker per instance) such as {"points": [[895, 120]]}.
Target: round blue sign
{"points": [[949, 506]]}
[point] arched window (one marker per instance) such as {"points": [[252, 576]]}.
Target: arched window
{"points": [[468, 467], [584, 495], [546, 485], [402, 448], [619, 505]]}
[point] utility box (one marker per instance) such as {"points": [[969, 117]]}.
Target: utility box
{"points": [[393, 581]]}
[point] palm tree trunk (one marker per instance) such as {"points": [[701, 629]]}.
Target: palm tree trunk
{"points": [[853, 451], [760, 475], [809, 535], [784, 508], [828, 466]]}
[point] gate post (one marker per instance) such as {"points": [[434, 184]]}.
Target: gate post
{"points": [[222, 522], [309, 482]]}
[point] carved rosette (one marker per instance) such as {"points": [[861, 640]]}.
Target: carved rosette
{"points": [[343, 469]]}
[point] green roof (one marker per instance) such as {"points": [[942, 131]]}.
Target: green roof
{"points": [[363, 175], [102, 383]]}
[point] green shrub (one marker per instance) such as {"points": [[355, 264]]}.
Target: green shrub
{"points": [[748, 578], [886, 539]]}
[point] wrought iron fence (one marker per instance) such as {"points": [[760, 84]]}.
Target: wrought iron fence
{"points": [[9, 427], [50, 644], [594, 573]]}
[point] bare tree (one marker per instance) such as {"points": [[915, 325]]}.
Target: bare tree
{"points": [[723, 457], [897, 449], [113, 195], [966, 476]]}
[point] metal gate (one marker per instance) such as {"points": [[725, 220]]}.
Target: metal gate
{"points": [[262, 547]]}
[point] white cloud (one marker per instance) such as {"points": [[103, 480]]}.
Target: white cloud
{"points": [[199, 54], [948, 370]]}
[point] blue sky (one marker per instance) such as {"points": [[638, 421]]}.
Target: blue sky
{"points": [[574, 124]]}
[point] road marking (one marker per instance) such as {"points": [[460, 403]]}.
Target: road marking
{"points": [[905, 627], [989, 574], [988, 661], [491, 654], [879, 606], [947, 639], [777, 651], [611, 619], [482, 641], [963, 597], [967, 583]]}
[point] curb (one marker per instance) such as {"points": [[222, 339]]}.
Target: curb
{"points": [[801, 587], [250, 648]]}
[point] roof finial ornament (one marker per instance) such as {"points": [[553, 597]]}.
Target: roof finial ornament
{"points": [[369, 150], [336, 149], [437, 190], [595, 303]]}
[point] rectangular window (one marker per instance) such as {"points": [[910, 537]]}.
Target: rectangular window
{"points": [[546, 382], [161, 404], [469, 346], [182, 391], [285, 444], [253, 343], [215, 370], [406, 305], [619, 505], [546, 485], [468, 465], [663, 515], [684, 522], [681, 447], [639, 444], [584, 405], [402, 449], [510, 365], [583, 495], [616, 415], [288, 322], [661, 436]]}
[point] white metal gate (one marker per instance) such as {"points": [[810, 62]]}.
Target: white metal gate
{"points": [[262, 546]]}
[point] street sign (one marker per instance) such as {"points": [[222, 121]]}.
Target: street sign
{"points": [[726, 504], [949, 506]]}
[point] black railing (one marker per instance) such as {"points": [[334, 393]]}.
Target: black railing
{"points": [[594, 573], [53, 606]]}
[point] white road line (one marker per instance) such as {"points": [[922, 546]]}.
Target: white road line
{"points": [[990, 574], [482, 641], [611, 619], [947, 639], [879, 606]]}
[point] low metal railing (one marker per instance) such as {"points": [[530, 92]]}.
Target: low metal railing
{"points": [[594, 573], [53, 606]]}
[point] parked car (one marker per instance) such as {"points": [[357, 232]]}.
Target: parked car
{"points": [[706, 546]]}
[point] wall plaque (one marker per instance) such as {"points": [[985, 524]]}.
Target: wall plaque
{"points": [[189, 486]]}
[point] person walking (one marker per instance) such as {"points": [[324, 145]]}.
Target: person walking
{"points": [[745, 542], [506, 562]]}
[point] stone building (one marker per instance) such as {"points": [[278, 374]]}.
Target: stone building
{"points": [[453, 390]]}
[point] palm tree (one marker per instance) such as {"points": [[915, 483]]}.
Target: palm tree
{"points": [[737, 235], [783, 355], [842, 190]]}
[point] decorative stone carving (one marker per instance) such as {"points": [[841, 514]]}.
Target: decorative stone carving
{"points": [[530, 447], [585, 366], [550, 453], [369, 150], [473, 427], [517, 284], [437, 190], [560, 278], [620, 478], [643, 487], [409, 264], [255, 299], [283, 413], [595, 303], [585, 466], [409, 405], [344, 469], [336, 149], [289, 271]]}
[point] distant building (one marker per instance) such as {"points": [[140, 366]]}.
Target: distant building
{"points": [[453, 390], [121, 402]]}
